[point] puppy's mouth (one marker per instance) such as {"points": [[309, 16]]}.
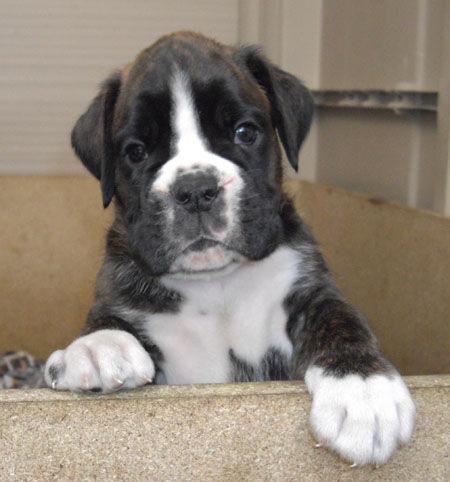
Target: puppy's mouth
{"points": [[202, 244], [205, 256]]}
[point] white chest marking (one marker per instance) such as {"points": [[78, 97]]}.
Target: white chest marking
{"points": [[242, 311]]}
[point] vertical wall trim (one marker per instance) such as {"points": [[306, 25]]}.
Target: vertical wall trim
{"points": [[260, 22], [291, 31], [421, 40], [249, 20], [442, 191], [270, 28], [414, 163]]}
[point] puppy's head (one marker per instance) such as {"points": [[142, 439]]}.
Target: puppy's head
{"points": [[185, 139]]}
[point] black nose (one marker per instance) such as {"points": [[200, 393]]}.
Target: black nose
{"points": [[196, 193]]}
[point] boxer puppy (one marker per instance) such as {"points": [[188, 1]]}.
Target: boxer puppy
{"points": [[210, 275]]}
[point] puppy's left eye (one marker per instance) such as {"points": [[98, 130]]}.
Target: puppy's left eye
{"points": [[136, 152], [245, 134]]}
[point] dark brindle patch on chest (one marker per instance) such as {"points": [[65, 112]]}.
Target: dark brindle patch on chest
{"points": [[274, 366]]}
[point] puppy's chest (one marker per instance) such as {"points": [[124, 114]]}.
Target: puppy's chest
{"points": [[227, 329]]}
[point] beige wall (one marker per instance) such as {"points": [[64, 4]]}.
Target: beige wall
{"points": [[372, 46], [380, 152], [383, 44]]}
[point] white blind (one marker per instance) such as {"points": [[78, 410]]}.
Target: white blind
{"points": [[54, 53]]}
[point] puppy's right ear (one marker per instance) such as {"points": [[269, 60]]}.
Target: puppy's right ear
{"points": [[91, 137]]}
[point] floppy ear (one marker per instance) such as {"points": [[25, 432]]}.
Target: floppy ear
{"points": [[291, 102], [91, 137]]}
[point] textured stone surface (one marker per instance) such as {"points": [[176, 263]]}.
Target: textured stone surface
{"points": [[222, 432]]}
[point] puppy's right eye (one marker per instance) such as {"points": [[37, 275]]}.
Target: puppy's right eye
{"points": [[136, 153]]}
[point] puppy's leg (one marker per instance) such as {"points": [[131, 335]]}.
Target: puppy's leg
{"points": [[361, 407], [103, 361]]}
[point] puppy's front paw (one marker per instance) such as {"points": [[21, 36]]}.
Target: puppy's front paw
{"points": [[103, 361], [363, 420]]}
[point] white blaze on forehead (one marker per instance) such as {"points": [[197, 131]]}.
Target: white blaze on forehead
{"points": [[191, 150], [184, 118]]}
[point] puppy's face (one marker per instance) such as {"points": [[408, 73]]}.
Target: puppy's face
{"points": [[187, 144]]}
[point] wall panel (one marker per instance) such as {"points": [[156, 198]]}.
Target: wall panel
{"points": [[53, 54]]}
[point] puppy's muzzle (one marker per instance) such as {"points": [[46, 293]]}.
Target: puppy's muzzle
{"points": [[196, 192]]}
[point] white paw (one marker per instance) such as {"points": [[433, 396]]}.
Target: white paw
{"points": [[363, 420], [103, 361]]}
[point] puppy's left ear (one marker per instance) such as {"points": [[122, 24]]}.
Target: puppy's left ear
{"points": [[291, 102], [91, 137]]}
